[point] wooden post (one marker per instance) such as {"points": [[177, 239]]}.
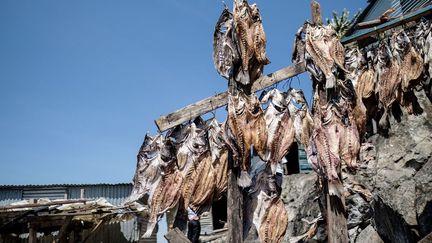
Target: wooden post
{"points": [[235, 210], [234, 195], [337, 230], [316, 12], [32, 233], [65, 230]]}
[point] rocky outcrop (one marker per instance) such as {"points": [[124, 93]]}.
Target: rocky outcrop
{"points": [[301, 196], [389, 199]]}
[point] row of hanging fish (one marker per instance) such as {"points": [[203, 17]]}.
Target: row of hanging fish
{"points": [[334, 138], [391, 72], [239, 44], [188, 167], [352, 87], [239, 55], [271, 131], [185, 168]]}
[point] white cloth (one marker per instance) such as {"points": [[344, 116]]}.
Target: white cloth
{"points": [[279, 168], [191, 214]]}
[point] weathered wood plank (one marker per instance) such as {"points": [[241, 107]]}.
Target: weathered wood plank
{"points": [[316, 12], [337, 229], [204, 106], [176, 236], [35, 205], [235, 209], [65, 230], [32, 234], [426, 239]]}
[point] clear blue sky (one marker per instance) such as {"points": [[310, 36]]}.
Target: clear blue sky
{"points": [[82, 81]]}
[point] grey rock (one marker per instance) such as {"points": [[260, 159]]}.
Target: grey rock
{"points": [[369, 235], [359, 210], [423, 202], [300, 195]]}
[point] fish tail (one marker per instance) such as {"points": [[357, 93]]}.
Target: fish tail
{"points": [[244, 180], [335, 188]]}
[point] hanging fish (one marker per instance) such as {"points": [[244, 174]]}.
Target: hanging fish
{"points": [[225, 53], [247, 124]]}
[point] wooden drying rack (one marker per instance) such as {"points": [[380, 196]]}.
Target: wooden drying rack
{"points": [[336, 221]]}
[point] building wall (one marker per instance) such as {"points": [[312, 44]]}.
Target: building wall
{"points": [[113, 193], [10, 195]]}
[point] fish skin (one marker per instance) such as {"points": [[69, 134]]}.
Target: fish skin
{"points": [[270, 218], [248, 127]]}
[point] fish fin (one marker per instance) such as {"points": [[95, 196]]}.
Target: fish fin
{"points": [[244, 180], [149, 231], [384, 121]]}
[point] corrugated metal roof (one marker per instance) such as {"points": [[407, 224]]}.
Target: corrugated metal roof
{"points": [[424, 11], [206, 222], [61, 185], [376, 8]]}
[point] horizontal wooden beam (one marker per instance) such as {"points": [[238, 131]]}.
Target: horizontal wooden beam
{"points": [[192, 111], [35, 205]]}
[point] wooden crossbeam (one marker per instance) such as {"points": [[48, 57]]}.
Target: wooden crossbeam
{"points": [[35, 205], [206, 105]]}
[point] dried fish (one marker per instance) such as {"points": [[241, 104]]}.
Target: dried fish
{"points": [[219, 152], [251, 40], [247, 124], [270, 218], [280, 128], [148, 171], [225, 53]]}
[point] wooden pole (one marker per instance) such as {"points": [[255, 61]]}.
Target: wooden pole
{"points": [[234, 195], [65, 230], [32, 233], [316, 12], [337, 229], [235, 210]]}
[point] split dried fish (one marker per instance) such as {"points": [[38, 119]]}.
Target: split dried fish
{"points": [[247, 124]]}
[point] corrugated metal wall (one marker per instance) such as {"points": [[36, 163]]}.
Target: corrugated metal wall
{"points": [[51, 193], [206, 222], [303, 162], [8, 196], [115, 194]]}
